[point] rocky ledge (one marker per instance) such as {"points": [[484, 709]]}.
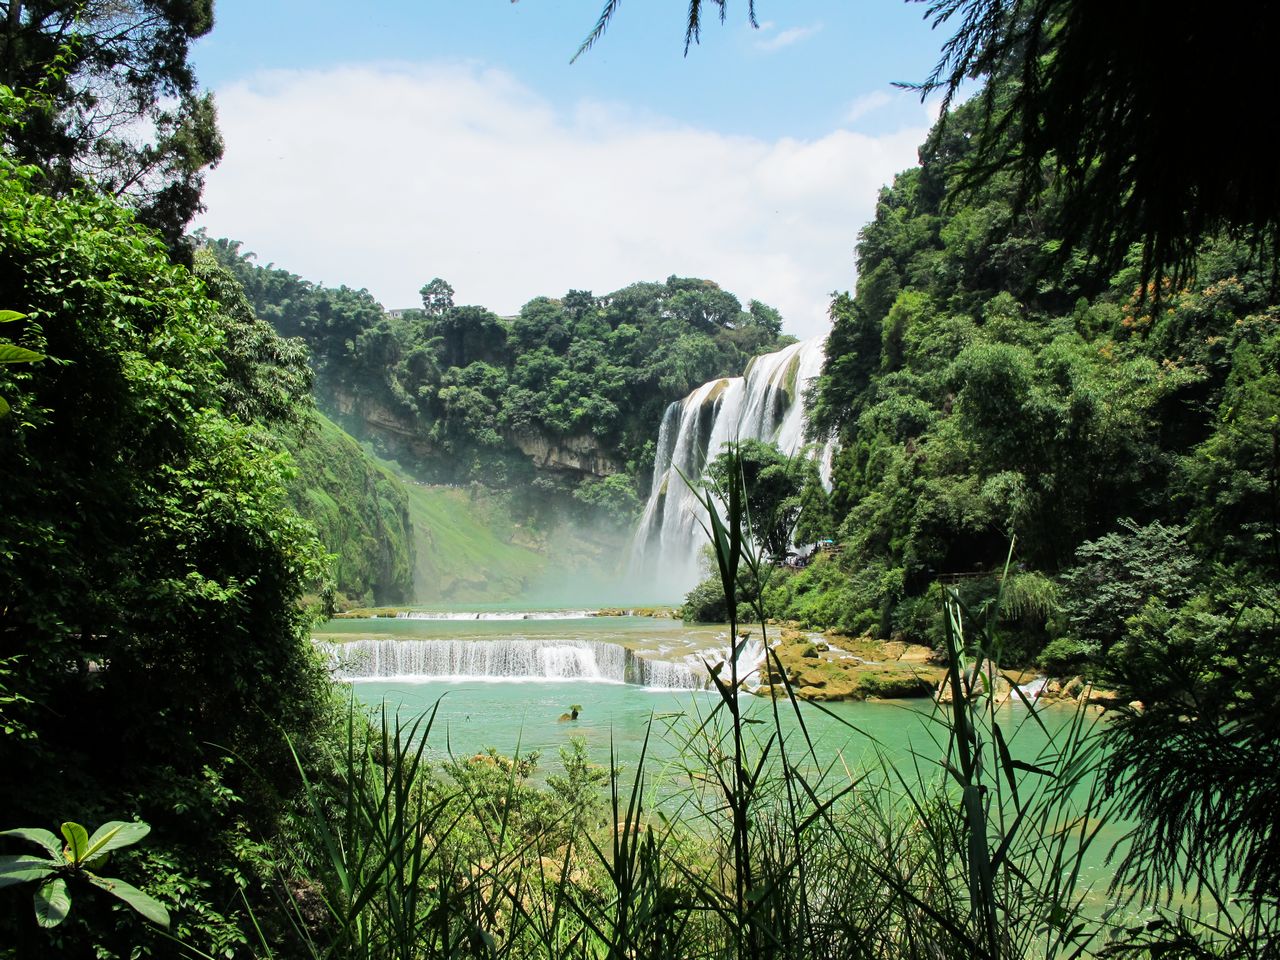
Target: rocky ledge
{"points": [[834, 667]]}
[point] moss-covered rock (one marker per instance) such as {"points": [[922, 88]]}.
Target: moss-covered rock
{"points": [[844, 668]]}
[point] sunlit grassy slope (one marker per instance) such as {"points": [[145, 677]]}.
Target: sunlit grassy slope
{"points": [[466, 545], [470, 550], [464, 549]]}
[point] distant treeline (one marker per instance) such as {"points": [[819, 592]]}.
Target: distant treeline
{"points": [[461, 382]]}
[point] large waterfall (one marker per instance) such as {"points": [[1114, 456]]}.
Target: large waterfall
{"points": [[522, 660], [764, 404]]}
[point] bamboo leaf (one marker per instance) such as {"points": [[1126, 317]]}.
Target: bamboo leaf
{"points": [[8, 316], [1032, 768]]}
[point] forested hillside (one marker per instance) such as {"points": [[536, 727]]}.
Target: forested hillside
{"points": [[360, 511], [991, 388], [552, 401], [152, 571]]}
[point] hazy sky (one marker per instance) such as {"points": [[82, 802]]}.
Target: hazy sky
{"points": [[453, 138]]}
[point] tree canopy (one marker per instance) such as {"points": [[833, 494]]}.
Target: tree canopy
{"points": [[465, 387], [111, 99], [152, 569]]}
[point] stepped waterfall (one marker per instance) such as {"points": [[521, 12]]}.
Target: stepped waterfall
{"points": [[766, 403], [524, 660]]}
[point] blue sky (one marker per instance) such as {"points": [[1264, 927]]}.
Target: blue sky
{"points": [[454, 139]]}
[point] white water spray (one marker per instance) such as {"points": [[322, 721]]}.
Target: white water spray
{"points": [[522, 660], [767, 403]]}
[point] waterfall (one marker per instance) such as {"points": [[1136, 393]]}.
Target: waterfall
{"points": [[766, 403], [522, 660], [514, 661]]}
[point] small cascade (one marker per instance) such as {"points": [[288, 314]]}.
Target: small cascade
{"points": [[495, 616], [512, 661], [766, 403]]}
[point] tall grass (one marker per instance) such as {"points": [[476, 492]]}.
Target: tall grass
{"points": [[976, 848]]}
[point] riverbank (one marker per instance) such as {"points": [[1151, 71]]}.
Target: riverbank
{"points": [[814, 665], [831, 666]]}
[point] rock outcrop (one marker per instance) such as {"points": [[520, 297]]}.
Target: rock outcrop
{"points": [[842, 668], [582, 454]]}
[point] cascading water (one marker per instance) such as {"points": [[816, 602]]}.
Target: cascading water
{"points": [[513, 661], [496, 616], [766, 403], [529, 661]]}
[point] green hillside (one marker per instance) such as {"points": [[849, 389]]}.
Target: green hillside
{"points": [[465, 547], [474, 545], [360, 511]]}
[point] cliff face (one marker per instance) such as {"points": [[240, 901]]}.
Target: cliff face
{"points": [[373, 419], [582, 454]]}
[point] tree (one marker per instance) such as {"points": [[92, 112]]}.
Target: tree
{"points": [[266, 377], [817, 521], [116, 101], [772, 485], [437, 297], [151, 570], [766, 318], [1079, 98]]}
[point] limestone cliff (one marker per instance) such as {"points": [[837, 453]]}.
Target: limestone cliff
{"points": [[582, 454]]}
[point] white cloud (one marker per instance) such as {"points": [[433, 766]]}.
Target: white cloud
{"points": [[785, 38], [386, 176], [867, 103]]}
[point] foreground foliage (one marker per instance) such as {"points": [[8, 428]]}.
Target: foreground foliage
{"points": [[984, 847], [51, 872], [150, 567]]}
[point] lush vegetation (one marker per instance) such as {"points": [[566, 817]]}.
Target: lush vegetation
{"points": [[548, 418], [360, 512], [986, 388], [111, 99], [989, 384], [991, 389], [152, 570], [464, 394]]}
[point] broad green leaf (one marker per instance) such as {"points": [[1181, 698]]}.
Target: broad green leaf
{"points": [[36, 835], [77, 841], [4, 407], [145, 904], [7, 316], [114, 835], [24, 867], [52, 902], [12, 353]]}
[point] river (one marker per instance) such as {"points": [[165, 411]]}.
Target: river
{"points": [[505, 678]]}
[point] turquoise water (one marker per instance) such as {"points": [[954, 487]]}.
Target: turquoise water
{"points": [[884, 739], [474, 713], [849, 739]]}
